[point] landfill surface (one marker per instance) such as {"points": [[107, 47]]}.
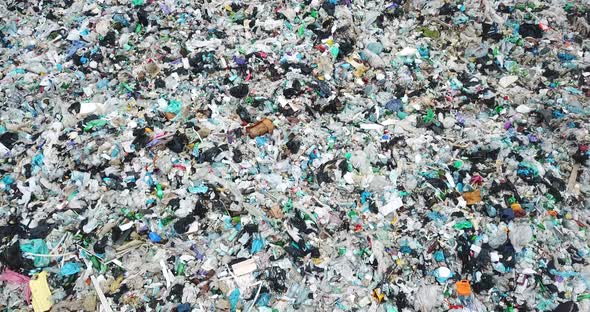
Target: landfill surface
{"points": [[271, 156]]}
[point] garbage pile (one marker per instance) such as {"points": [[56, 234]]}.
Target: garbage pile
{"points": [[317, 155]]}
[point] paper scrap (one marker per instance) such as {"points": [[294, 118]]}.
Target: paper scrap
{"points": [[391, 206], [244, 267], [167, 274], [507, 81]]}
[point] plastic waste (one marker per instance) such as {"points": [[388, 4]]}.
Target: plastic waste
{"points": [[315, 155]]}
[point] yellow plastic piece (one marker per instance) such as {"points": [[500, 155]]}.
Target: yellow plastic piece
{"points": [[40, 293]]}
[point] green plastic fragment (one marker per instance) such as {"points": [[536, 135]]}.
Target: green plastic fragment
{"points": [[180, 266], [430, 33], [511, 200], [461, 225], [288, 205], [72, 195], [429, 115], [96, 123], [159, 191], [301, 31], [166, 221], [331, 142], [127, 87], [496, 52], [334, 51], [447, 292], [391, 308], [97, 264]]}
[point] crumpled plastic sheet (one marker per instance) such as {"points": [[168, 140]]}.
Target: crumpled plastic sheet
{"points": [[335, 155], [18, 279]]}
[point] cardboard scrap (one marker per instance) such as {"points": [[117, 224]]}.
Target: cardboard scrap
{"points": [[472, 198]]}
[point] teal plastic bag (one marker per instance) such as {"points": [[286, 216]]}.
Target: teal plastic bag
{"points": [[36, 246], [70, 268]]}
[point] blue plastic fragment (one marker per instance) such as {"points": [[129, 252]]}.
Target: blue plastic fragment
{"points": [[508, 214], [263, 300], [406, 249], [7, 180], [199, 189], [491, 211], [566, 57], [76, 45], [185, 307], [234, 298], [261, 141], [439, 255], [257, 245], [394, 105], [119, 18], [364, 196], [154, 237], [37, 162]]}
